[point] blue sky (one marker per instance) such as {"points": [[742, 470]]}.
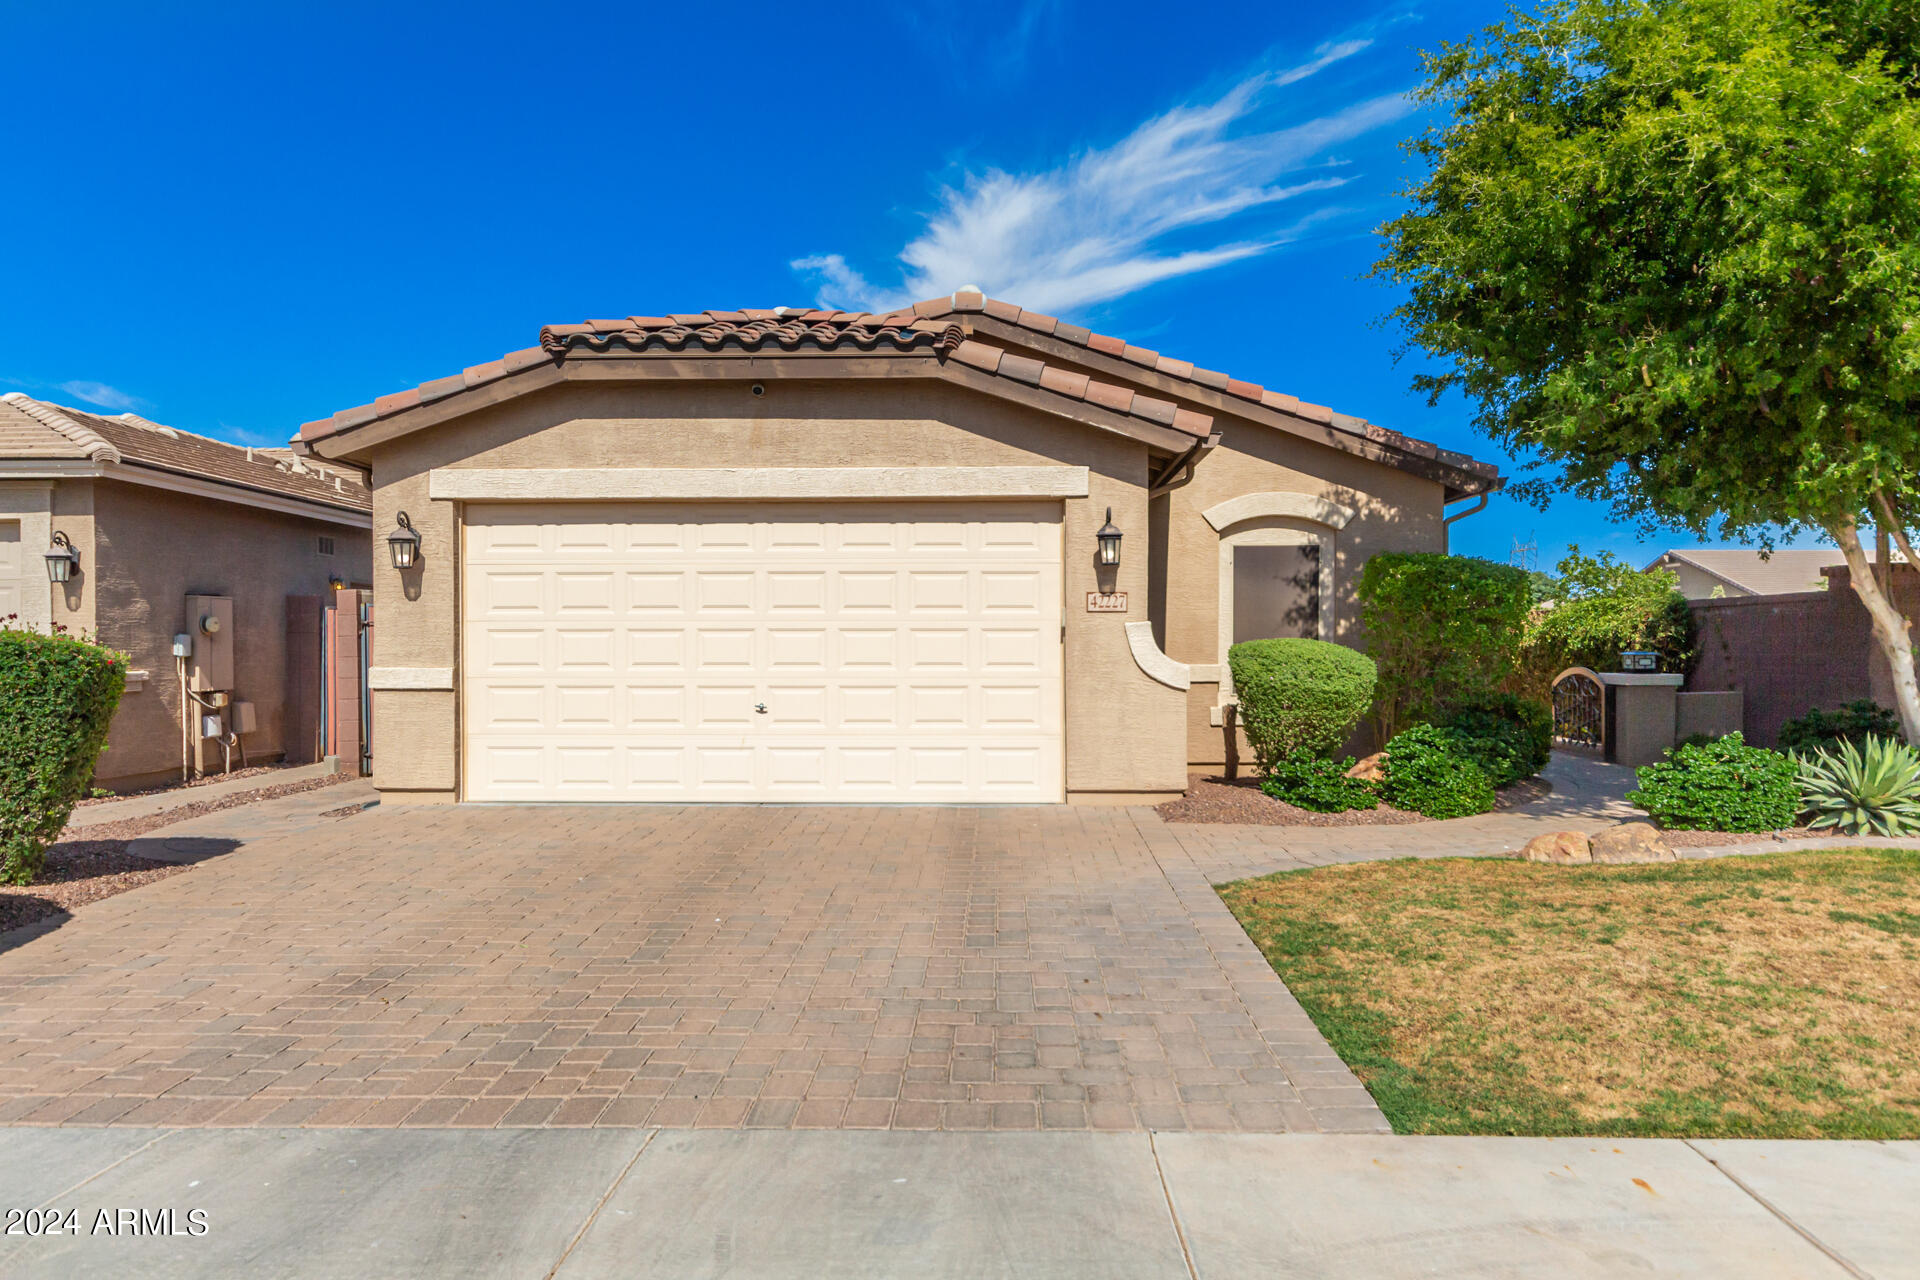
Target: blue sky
{"points": [[240, 218]]}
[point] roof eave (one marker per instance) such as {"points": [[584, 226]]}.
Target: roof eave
{"points": [[351, 443], [1461, 481]]}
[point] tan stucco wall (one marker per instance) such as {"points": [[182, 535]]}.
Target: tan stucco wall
{"points": [[1123, 729], [1698, 584], [151, 549], [1393, 511]]}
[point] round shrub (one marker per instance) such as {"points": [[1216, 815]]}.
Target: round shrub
{"points": [[1508, 736], [1426, 773], [57, 697], [1307, 781], [1826, 730], [1299, 695], [1724, 785]]}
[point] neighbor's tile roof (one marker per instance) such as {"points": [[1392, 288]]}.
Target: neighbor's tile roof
{"points": [[32, 429], [936, 327], [1781, 572]]}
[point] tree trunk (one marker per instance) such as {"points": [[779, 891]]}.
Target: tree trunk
{"points": [[1890, 630]]}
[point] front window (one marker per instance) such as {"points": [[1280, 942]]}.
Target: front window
{"points": [[1276, 592]]}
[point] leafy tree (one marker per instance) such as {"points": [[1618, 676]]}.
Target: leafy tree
{"points": [[1670, 249], [1595, 609]]}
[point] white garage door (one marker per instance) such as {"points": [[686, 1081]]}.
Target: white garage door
{"points": [[887, 652]]}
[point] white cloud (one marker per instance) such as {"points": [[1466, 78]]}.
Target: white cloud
{"points": [[1104, 223], [106, 397]]}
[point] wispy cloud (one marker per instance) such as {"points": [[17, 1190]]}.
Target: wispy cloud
{"points": [[99, 393], [1150, 207]]}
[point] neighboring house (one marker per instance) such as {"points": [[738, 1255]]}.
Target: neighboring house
{"points": [[820, 555], [1708, 573], [156, 515]]}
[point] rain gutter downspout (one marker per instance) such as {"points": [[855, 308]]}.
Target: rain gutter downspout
{"points": [[1478, 506]]}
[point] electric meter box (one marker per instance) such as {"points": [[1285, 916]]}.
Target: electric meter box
{"points": [[210, 623]]}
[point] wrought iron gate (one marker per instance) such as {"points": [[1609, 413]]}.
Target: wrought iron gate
{"points": [[1579, 709]]}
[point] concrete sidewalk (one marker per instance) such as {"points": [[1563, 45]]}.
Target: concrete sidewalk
{"points": [[179, 797], [645, 1203]]}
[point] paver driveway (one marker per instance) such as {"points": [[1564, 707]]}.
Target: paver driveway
{"points": [[752, 966]]}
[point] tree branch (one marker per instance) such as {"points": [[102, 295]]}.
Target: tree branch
{"points": [[1891, 523]]}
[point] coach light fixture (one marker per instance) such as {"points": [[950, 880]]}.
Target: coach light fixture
{"points": [[404, 544], [62, 559], [1109, 539]]}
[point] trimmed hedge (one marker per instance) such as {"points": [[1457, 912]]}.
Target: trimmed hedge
{"points": [[1307, 781], [1443, 629], [1720, 786], [1426, 772], [1299, 695], [57, 697], [1509, 736]]}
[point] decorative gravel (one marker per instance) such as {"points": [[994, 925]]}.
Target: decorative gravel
{"points": [[1212, 798], [91, 862], [257, 770], [1708, 839]]}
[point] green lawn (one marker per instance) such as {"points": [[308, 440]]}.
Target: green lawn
{"points": [[1771, 996]]}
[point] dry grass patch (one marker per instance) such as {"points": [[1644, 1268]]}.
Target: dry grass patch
{"points": [[1776, 995]]}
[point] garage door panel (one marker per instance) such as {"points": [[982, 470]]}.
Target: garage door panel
{"points": [[656, 650], [903, 652], [584, 594], [583, 649], [657, 592], [797, 649], [656, 707]]}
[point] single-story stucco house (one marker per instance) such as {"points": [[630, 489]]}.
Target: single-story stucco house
{"points": [[810, 555], [156, 528]]}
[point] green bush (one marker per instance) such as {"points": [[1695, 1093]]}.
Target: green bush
{"points": [[1509, 736], [1299, 695], [57, 696], [1314, 782], [1442, 629], [1720, 786], [1426, 772], [1870, 791], [1596, 608], [1825, 730]]}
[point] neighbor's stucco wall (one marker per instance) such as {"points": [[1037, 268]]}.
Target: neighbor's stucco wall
{"points": [[153, 549], [1697, 584], [1393, 511], [1123, 729]]}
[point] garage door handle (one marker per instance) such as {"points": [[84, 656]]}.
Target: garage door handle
{"points": [[761, 707]]}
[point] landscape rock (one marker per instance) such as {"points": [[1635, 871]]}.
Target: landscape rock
{"points": [[1631, 842], [1563, 848], [1371, 769]]}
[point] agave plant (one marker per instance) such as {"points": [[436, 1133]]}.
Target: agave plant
{"points": [[1875, 791]]}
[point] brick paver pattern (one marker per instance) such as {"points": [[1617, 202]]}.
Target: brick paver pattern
{"points": [[911, 968]]}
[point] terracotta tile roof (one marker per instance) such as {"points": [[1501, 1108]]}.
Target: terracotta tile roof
{"points": [[130, 440], [751, 331], [938, 327]]}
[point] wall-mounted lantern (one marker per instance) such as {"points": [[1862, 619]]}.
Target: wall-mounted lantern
{"points": [[404, 544], [1109, 539], [62, 559]]}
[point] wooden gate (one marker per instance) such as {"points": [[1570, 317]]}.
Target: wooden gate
{"points": [[1579, 709]]}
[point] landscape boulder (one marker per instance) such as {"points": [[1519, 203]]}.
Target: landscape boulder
{"points": [[1630, 842], [1371, 769], [1563, 848]]}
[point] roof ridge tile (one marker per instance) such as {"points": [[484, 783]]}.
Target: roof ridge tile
{"points": [[52, 417]]}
